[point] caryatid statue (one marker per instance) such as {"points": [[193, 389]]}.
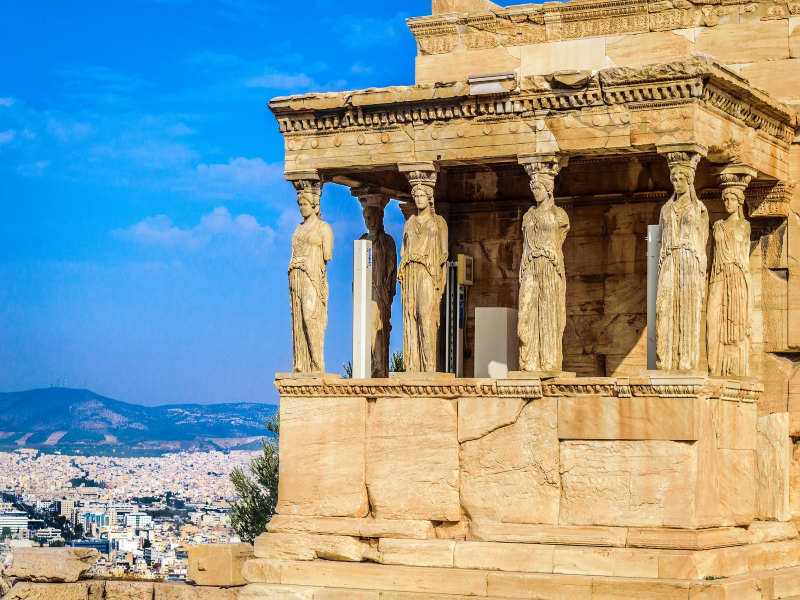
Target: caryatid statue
{"points": [[312, 248], [730, 290], [422, 275], [682, 264], [542, 294], [384, 275]]}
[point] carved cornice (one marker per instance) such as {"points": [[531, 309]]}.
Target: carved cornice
{"points": [[517, 388], [699, 80]]}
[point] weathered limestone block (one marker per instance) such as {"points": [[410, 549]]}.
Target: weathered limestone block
{"points": [[28, 590], [51, 564], [630, 483], [356, 527], [412, 459], [773, 555], [532, 558], [737, 425], [479, 416], [129, 590], [773, 456], [617, 562], [262, 570], [417, 553], [686, 539], [544, 585], [218, 564], [260, 591], [511, 474], [548, 534], [181, 591], [736, 480], [322, 470], [390, 578], [688, 564], [794, 482], [771, 531], [298, 546]]}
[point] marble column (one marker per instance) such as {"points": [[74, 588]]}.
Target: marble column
{"points": [[682, 264], [312, 248], [542, 293], [384, 274], [730, 289], [423, 271]]}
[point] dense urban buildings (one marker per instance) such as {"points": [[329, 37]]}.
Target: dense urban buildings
{"points": [[141, 514]]}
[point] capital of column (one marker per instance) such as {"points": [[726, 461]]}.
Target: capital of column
{"points": [[683, 154], [305, 179], [543, 166], [370, 196], [420, 173], [734, 175]]}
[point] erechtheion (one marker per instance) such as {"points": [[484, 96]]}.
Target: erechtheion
{"points": [[610, 461]]}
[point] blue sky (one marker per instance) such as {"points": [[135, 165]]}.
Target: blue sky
{"points": [[145, 222]]}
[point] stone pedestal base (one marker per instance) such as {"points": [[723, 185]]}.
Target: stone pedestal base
{"points": [[318, 580]]}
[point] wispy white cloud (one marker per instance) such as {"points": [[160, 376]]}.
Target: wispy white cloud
{"points": [[6, 101], [276, 80], [215, 228], [33, 169], [7, 136], [360, 69], [239, 179]]}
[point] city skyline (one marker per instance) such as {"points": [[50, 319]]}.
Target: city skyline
{"points": [[146, 224]]}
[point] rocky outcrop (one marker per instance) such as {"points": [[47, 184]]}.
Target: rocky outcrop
{"points": [[52, 565]]}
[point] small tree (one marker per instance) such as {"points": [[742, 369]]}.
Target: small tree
{"points": [[397, 365], [6, 533], [258, 495], [348, 370]]}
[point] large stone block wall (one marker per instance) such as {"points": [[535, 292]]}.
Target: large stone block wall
{"points": [[511, 451]]}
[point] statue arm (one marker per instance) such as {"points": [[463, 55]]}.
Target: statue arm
{"points": [[327, 242]]}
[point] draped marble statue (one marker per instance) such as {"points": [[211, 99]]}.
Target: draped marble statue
{"points": [[682, 268], [312, 248], [542, 293], [422, 276], [384, 278], [730, 290]]}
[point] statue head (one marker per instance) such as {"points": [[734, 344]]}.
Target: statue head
{"points": [[373, 218], [733, 198], [308, 195], [542, 187], [682, 179], [423, 196]]}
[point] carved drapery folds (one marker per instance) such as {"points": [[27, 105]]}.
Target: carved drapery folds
{"points": [[384, 274], [682, 263], [542, 295], [422, 271], [312, 248], [730, 290]]}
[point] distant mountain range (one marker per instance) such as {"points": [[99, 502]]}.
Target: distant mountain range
{"points": [[75, 420]]}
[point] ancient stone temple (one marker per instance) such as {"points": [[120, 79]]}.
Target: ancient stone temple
{"points": [[548, 142]]}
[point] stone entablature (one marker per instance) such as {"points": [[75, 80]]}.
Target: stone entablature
{"points": [[556, 21], [613, 111]]}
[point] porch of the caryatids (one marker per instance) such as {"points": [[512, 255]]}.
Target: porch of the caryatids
{"points": [[423, 271], [312, 248], [730, 289], [542, 294], [384, 274], [682, 263]]}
